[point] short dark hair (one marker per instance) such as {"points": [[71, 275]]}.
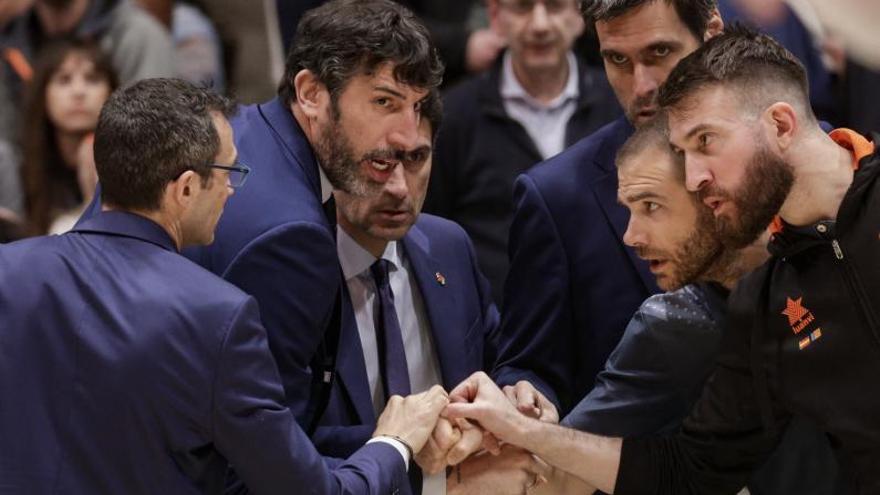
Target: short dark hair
{"points": [[695, 14], [151, 132], [343, 38], [756, 63], [653, 134]]}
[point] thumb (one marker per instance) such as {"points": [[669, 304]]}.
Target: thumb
{"points": [[466, 410]]}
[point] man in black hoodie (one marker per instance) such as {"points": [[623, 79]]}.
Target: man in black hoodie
{"points": [[803, 336]]}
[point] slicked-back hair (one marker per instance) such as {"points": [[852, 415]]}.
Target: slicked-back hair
{"points": [[762, 71], [344, 38], [695, 14], [653, 134], [150, 133]]}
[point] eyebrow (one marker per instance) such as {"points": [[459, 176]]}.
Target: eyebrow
{"points": [[664, 44], [640, 196], [390, 91], [696, 130], [653, 46]]}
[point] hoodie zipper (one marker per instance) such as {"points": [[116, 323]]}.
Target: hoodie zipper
{"points": [[856, 289]]}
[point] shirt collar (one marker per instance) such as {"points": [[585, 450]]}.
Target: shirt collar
{"points": [[511, 89], [326, 186], [355, 260], [125, 224]]}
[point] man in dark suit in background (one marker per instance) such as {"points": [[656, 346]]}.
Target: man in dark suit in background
{"points": [[357, 77], [126, 368], [573, 285], [536, 100]]}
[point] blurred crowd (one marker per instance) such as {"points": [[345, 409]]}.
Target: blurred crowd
{"points": [[514, 94]]}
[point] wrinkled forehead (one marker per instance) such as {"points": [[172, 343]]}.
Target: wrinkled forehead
{"points": [[712, 107], [385, 74], [645, 25], [653, 169]]}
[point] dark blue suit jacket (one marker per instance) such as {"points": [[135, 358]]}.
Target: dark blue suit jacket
{"points": [[462, 317], [275, 242], [126, 368], [572, 285]]}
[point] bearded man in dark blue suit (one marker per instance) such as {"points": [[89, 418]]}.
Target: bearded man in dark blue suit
{"points": [[357, 79]]}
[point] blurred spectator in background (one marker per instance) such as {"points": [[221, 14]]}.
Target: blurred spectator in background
{"points": [[466, 46], [10, 185], [72, 80], [138, 46], [537, 99], [199, 53], [13, 68], [779, 20]]}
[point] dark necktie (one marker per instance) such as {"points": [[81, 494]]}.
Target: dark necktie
{"points": [[392, 357], [329, 208]]}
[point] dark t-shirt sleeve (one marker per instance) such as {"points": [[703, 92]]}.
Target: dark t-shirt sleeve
{"points": [[724, 439]]}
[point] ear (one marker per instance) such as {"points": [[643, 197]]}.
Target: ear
{"points": [[310, 93], [715, 25], [782, 122], [181, 192]]}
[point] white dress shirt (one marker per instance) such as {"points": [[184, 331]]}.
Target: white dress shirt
{"points": [[544, 122], [421, 356]]}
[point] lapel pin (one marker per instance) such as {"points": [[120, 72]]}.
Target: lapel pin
{"points": [[440, 279]]}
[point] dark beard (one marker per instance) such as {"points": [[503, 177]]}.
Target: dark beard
{"points": [[336, 156], [699, 252], [767, 182]]}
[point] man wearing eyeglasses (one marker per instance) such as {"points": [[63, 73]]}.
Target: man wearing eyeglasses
{"points": [[126, 368], [537, 99]]}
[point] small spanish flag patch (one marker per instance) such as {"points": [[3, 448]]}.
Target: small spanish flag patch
{"points": [[804, 342]]}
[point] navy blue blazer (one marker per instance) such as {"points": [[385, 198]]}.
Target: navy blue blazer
{"points": [[126, 368], [572, 285], [275, 242], [463, 320]]}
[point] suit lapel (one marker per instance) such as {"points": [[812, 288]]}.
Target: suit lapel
{"points": [[441, 306], [350, 363]]}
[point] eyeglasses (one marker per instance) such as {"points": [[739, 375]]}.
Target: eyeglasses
{"points": [[523, 7], [238, 173]]}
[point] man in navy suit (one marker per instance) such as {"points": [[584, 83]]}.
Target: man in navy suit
{"points": [[573, 285], [435, 328], [358, 75], [126, 368]]}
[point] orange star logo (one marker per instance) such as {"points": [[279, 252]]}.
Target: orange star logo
{"points": [[794, 310]]}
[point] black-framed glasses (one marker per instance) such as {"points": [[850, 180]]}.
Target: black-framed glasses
{"points": [[238, 173]]}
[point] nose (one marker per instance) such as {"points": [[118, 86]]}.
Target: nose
{"points": [[540, 20], [78, 87], [396, 184], [646, 83], [697, 175], [634, 237], [405, 133]]}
